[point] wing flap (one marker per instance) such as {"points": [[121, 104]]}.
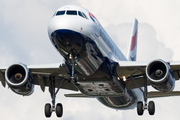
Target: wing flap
{"points": [[58, 80], [48, 69]]}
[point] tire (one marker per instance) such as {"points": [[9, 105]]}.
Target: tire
{"points": [[47, 110], [140, 109], [59, 110], [151, 108]]}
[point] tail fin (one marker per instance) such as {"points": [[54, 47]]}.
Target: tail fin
{"points": [[132, 52]]}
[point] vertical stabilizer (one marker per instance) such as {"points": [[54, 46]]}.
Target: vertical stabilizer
{"points": [[132, 51]]}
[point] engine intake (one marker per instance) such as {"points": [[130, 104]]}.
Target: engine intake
{"points": [[160, 75], [18, 78]]}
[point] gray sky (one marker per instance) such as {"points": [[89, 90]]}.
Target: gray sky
{"points": [[24, 38]]}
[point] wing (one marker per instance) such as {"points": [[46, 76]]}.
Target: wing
{"points": [[41, 74], [135, 72]]}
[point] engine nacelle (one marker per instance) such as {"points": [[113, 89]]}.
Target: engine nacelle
{"points": [[18, 78], [160, 75]]}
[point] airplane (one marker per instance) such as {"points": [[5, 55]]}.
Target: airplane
{"points": [[94, 66]]}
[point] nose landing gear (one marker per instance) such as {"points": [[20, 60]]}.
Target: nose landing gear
{"points": [[73, 76]]}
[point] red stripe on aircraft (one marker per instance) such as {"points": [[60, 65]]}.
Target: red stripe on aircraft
{"points": [[133, 41], [90, 14]]}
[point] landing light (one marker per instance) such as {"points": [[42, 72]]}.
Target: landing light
{"points": [[70, 56], [124, 78]]}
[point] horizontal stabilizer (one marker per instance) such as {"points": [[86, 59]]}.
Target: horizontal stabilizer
{"points": [[162, 94], [78, 95], [150, 94]]}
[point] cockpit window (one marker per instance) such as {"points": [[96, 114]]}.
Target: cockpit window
{"points": [[84, 15], [54, 14], [80, 14], [71, 12], [60, 13]]}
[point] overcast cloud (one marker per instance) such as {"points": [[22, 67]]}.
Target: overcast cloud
{"points": [[24, 38]]}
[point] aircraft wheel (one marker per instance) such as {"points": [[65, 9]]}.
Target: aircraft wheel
{"points": [[151, 108], [48, 110], [140, 109], [59, 110]]}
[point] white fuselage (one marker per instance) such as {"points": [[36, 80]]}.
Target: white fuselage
{"points": [[73, 33]]}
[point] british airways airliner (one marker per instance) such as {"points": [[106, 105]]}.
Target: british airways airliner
{"points": [[94, 66]]}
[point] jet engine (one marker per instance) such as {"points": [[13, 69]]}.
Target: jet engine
{"points": [[19, 80], [160, 75]]}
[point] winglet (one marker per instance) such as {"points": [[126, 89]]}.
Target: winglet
{"points": [[132, 52]]}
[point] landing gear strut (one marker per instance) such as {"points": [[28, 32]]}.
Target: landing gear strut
{"points": [[58, 108], [73, 76], [150, 107]]}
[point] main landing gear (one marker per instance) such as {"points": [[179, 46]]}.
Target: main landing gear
{"points": [[150, 107], [58, 108]]}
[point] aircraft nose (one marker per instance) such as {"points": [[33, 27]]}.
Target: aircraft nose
{"points": [[74, 23], [64, 22]]}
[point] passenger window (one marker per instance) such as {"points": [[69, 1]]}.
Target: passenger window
{"points": [[84, 15], [60, 13], [80, 14], [71, 12]]}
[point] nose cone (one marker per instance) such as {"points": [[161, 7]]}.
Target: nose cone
{"points": [[69, 33], [74, 23]]}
